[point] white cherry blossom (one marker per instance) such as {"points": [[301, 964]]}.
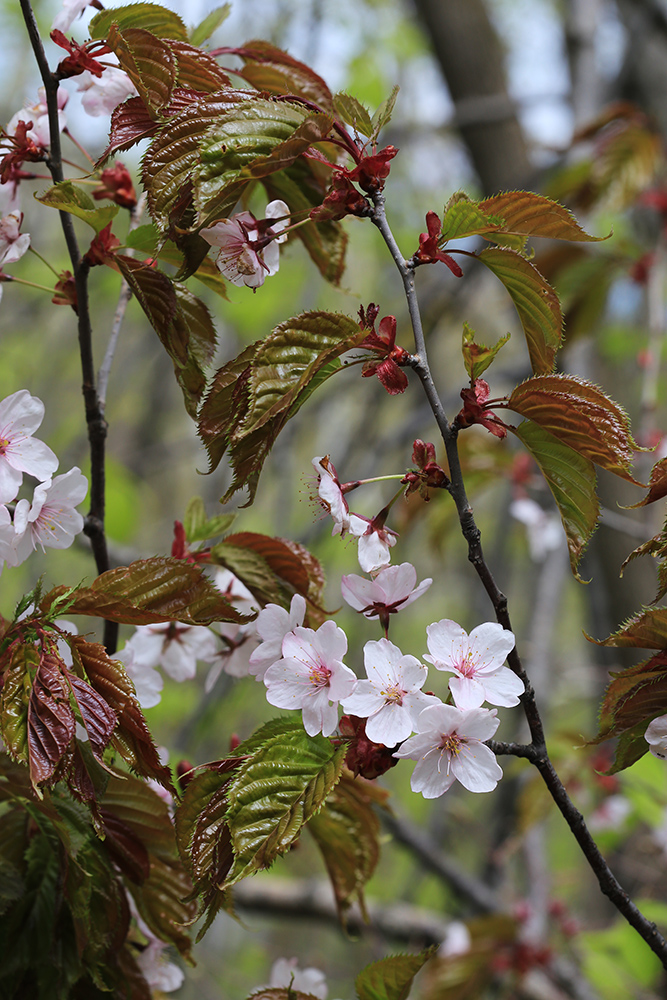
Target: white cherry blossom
{"points": [[311, 676], [656, 737], [248, 250], [331, 496], [286, 973], [273, 623], [477, 661], [7, 536], [543, 527], [449, 746], [38, 114], [13, 243], [101, 94], [392, 590], [173, 646], [391, 699], [375, 543], [148, 683], [51, 520], [239, 641], [68, 13], [20, 416]]}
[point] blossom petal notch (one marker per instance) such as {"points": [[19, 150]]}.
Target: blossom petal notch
{"points": [[477, 662], [311, 676], [448, 747]]}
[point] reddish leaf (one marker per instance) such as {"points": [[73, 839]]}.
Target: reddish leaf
{"points": [[148, 61], [131, 122], [152, 590], [634, 697], [217, 416], [98, 718], [126, 849], [51, 723], [160, 901], [582, 417], [657, 485], [647, 630], [270, 69], [197, 70], [530, 214], [132, 737]]}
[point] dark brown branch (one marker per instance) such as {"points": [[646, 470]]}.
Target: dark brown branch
{"points": [[95, 422], [536, 751]]}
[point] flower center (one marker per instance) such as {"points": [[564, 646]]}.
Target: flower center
{"points": [[467, 666], [393, 693], [320, 675], [451, 743], [4, 444]]}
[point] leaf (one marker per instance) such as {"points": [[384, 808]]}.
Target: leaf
{"points": [[150, 16], [646, 630], [275, 792], [582, 417], [145, 239], [476, 357], [148, 61], [529, 214], [571, 479], [288, 561], [17, 683], [97, 716], [657, 485], [463, 217], [252, 570], [383, 114], [131, 121], [630, 748], [535, 301], [314, 129], [391, 978], [203, 31], [199, 527], [354, 113], [274, 71], [132, 737], [197, 70], [253, 396], [67, 197], [346, 831], [153, 590], [160, 903]]}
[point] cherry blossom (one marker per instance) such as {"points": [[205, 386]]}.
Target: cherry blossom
{"points": [[656, 737], [13, 244], [273, 624], [68, 13], [392, 590], [477, 660], [148, 683], [102, 94], [331, 497], [286, 973], [375, 542], [449, 746], [38, 114], [311, 676], [391, 699], [51, 519], [239, 641], [249, 248], [20, 416], [173, 646], [7, 535]]}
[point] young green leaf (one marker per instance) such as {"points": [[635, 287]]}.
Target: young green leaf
{"points": [[383, 114], [582, 417], [203, 31], [161, 21], [354, 113], [535, 301], [67, 197], [199, 527], [476, 357], [463, 217], [525, 213], [571, 479], [391, 978]]}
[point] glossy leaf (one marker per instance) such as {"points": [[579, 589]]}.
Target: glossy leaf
{"points": [[582, 417], [354, 114], [197, 70], [131, 121], [67, 197], [313, 130], [391, 978], [477, 357], [535, 301], [252, 570], [153, 590], [274, 71], [346, 831], [528, 214], [144, 812], [290, 562], [275, 792], [161, 21], [657, 485], [203, 31], [253, 396], [51, 723], [647, 630], [463, 217], [17, 683], [571, 479], [98, 718], [160, 901], [132, 737], [148, 61]]}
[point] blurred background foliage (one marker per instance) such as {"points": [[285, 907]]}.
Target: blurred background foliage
{"points": [[492, 96]]}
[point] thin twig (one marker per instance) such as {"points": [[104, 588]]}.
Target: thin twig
{"points": [[536, 751], [97, 428]]}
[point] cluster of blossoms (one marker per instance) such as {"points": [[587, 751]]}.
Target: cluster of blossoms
{"points": [[50, 518]]}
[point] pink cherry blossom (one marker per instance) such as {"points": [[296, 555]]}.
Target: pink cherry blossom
{"points": [[148, 683], [13, 244], [273, 624], [249, 249], [38, 114], [331, 496], [449, 746], [656, 737], [7, 536], [477, 661], [311, 676], [70, 10], [392, 590], [238, 641], [51, 520], [20, 416], [375, 542], [104, 93], [391, 699], [174, 647]]}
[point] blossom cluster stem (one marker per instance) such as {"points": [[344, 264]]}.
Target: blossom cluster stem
{"points": [[95, 422], [536, 750]]}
